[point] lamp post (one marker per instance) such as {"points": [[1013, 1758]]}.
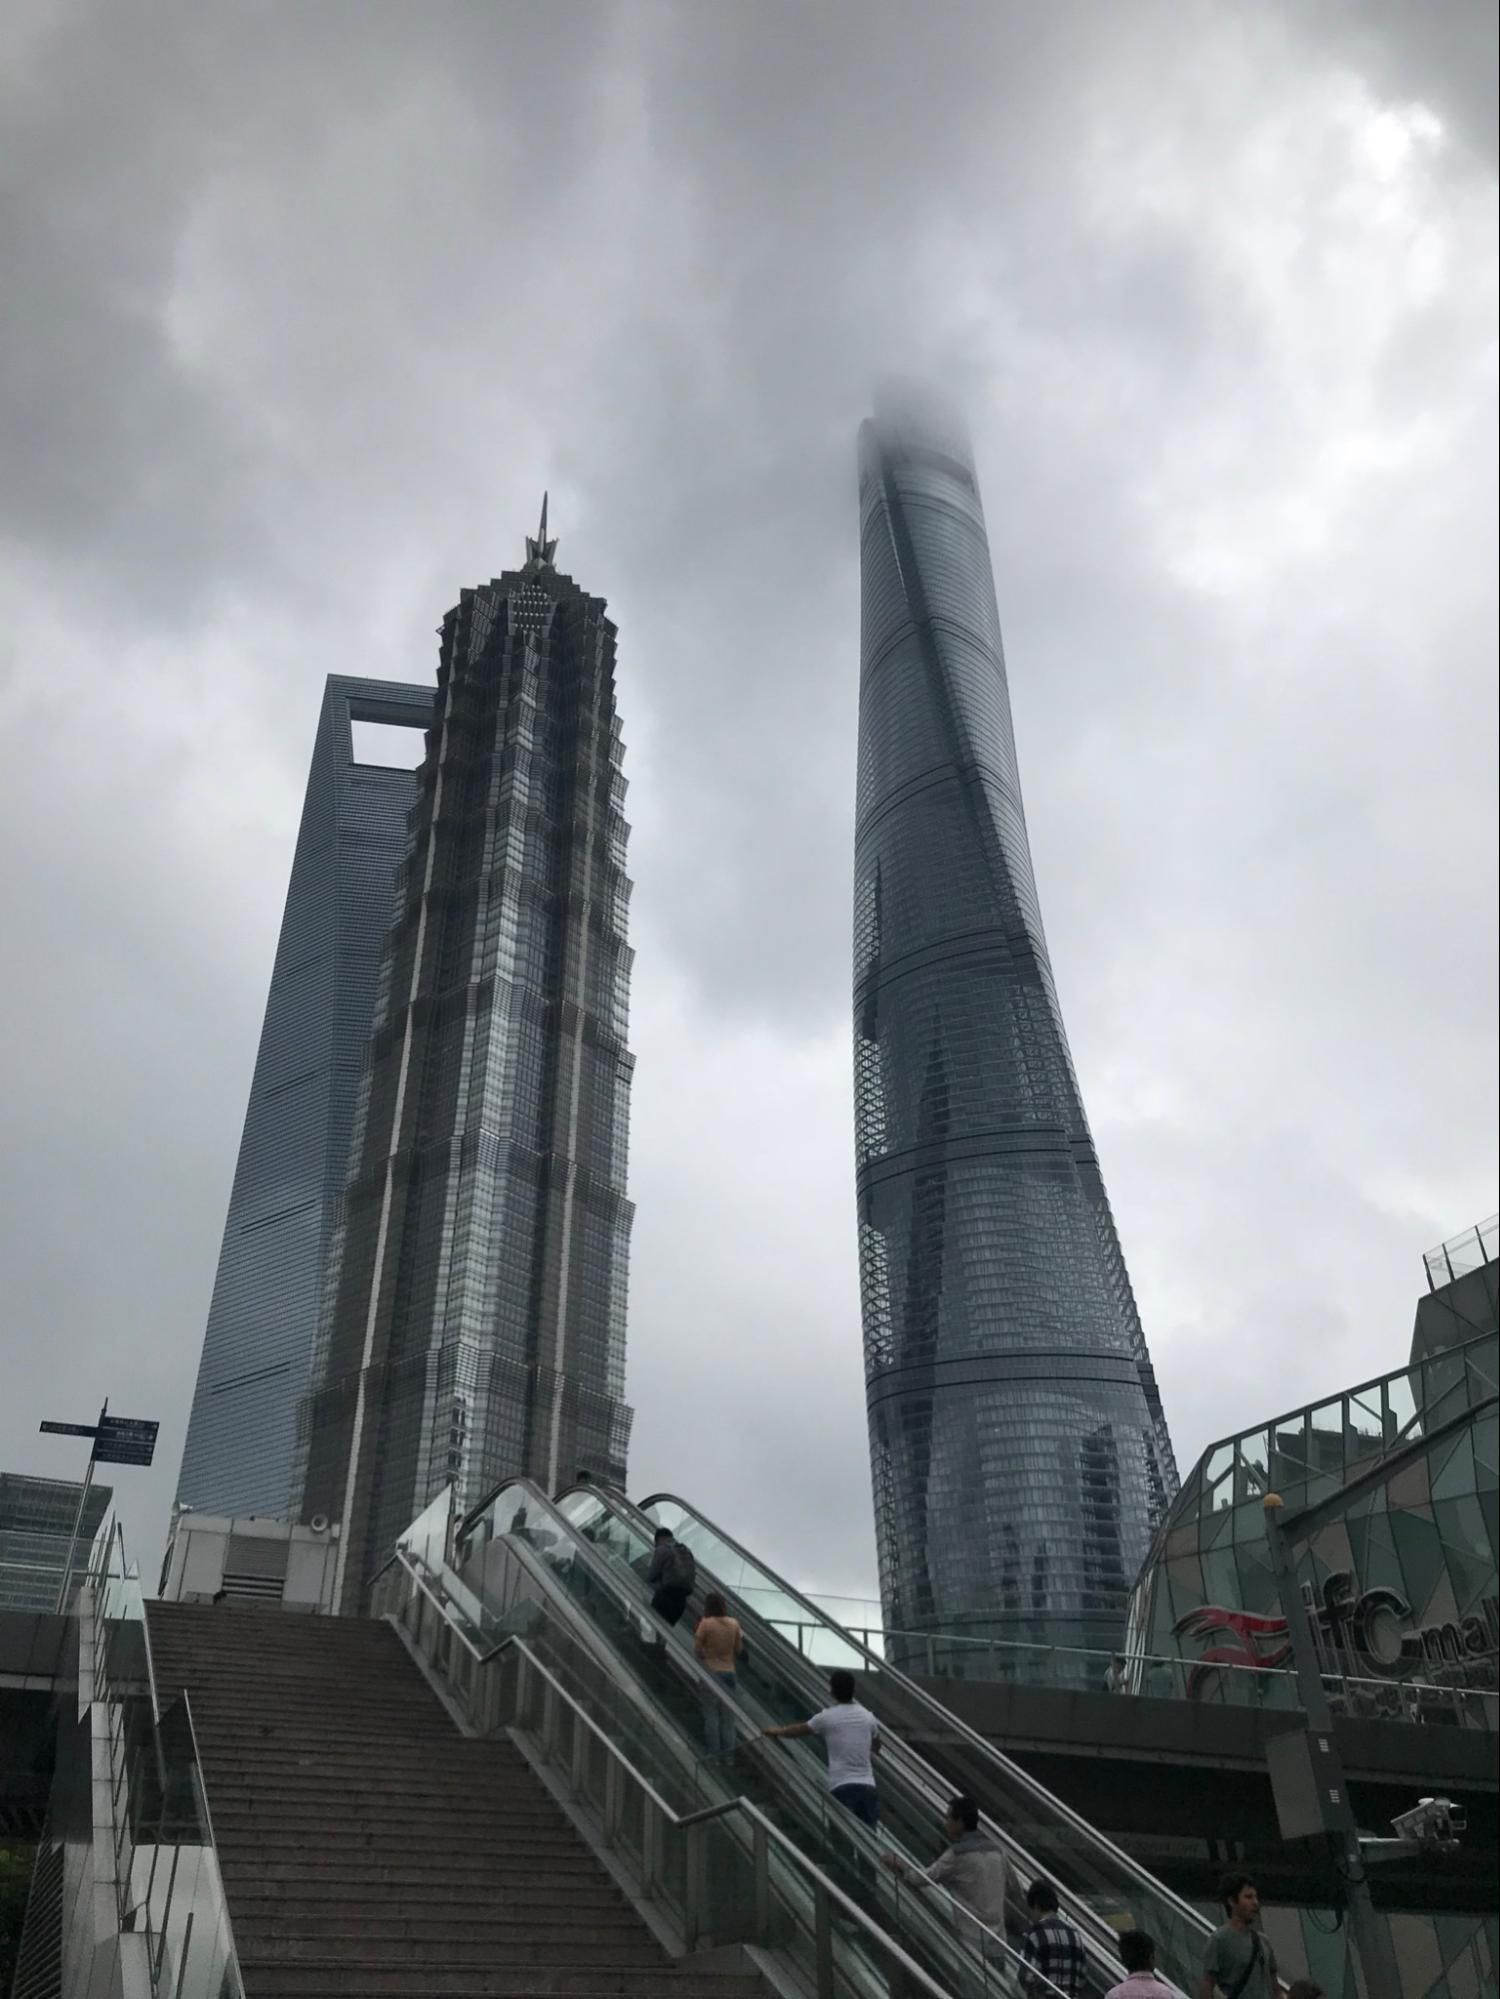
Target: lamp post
{"points": [[1370, 1935]]}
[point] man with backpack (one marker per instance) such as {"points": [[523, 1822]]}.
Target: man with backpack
{"points": [[671, 1576]]}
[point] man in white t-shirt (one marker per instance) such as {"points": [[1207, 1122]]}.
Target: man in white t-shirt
{"points": [[851, 1735]]}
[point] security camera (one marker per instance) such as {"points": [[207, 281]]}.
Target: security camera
{"points": [[1432, 1822]]}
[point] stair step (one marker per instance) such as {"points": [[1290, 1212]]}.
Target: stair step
{"points": [[314, 1699], [403, 1743], [449, 1753], [401, 1813], [372, 1980], [272, 1627], [301, 1676], [386, 1848], [275, 1796], [414, 1721], [262, 1890], [476, 1941], [289, 1639], [277, 1792], [438, 1832], [251, 1880], [481, 1752], [581, 1953], [298, 1763]]}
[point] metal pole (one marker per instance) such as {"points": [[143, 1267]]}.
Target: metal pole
{"points": [[83, 1500], [1368, 1931]]}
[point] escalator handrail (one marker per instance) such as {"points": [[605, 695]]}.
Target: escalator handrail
{"points": [[1095, 1931], [562, 1607], [820, 1882], [685, 1664], [792, 1778], [945, 1716]]}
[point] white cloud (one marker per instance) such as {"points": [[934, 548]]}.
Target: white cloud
{"points": [[304, 323]]}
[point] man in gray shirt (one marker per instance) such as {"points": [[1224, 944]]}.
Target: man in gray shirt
{"points": [[1237, 1960], [972, 1870]]}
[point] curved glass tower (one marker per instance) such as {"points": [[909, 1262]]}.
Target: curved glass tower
{"points": [[1020, 1455]]}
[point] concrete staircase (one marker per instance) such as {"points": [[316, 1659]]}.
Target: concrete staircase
{"points": [[370, 1849]]}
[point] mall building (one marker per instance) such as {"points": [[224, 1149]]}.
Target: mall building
{"points": [[1402, 1583]]}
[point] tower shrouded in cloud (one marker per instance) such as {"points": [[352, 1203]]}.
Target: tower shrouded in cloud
{"points": [[474, 1310], [1019, 1451]]}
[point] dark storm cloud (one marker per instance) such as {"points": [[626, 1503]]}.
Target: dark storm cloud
{"points": [[305, 307]]}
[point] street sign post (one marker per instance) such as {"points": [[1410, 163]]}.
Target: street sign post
{"points": [[117, 1440]]}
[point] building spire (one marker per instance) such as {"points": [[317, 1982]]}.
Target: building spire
{"points": [[540, 551]]}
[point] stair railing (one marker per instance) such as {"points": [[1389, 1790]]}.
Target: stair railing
{"points": [[726, 1873], [168, 1888]]}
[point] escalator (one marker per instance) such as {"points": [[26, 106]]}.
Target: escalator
{"points": [[776, 1685], [1102, 1888], [569, 1579]]}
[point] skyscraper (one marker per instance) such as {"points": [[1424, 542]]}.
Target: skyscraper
{"points": [[474, 1312], [294, 1151], [1019, 1452]]}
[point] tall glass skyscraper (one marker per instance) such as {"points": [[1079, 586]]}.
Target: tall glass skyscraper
{"points": [[473, 1320], [294, 1152], [1020, 1455]]}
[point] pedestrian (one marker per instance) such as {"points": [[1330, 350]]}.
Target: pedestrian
{"points": [[972, 1869], [1115, 1681], [851, 1735], [1305, 1988], [718, 1643], [671, 1576], [1138, 1955], [1237, 1960], [1052, 1946]]}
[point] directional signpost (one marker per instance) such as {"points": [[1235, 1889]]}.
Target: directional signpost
{"points": [[125, 1440], [117, 1440]]}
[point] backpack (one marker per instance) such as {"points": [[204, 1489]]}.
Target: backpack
{"points": [[682, 1568]]}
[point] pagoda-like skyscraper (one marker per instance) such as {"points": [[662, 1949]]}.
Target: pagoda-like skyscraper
{"points": [[473, 1323], [1020, 1455]]}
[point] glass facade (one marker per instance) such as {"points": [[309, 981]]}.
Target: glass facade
{"points": [[36, 1523], [294, 1151], [1402, 1585], [1020, 1455], [473, 1321]]}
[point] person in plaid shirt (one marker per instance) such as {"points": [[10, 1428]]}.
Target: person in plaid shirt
{"points": [[1051, 1946]]}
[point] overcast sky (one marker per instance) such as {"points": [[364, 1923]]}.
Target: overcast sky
{"points": [[305, 304]]}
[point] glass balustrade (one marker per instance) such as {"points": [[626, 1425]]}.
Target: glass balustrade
{"points": [[166, 1870], [518, 1561], [718, 1861], [1107, 1889]]}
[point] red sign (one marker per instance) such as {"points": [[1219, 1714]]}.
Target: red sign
{"points": [[1250, 1641]]}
